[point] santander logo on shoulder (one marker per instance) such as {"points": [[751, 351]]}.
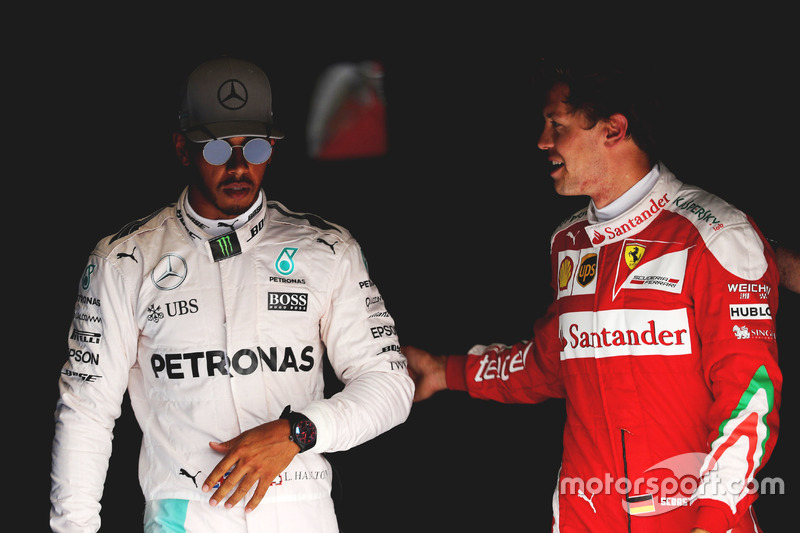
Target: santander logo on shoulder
{"points": [[634, 223]]}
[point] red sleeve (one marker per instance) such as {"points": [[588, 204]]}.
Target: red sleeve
{"points": [[526, 372], [457, 372], [736, 305]]}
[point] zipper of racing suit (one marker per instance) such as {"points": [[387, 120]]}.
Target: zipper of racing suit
{"points": [[625, 471]]}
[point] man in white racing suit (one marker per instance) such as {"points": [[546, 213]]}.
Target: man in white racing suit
{"points": [[215, 314]]}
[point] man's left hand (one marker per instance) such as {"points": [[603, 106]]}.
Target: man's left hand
{"points": [[256, 456]]}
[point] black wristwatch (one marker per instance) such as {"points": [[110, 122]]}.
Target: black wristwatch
{"points": [[302, 431]]}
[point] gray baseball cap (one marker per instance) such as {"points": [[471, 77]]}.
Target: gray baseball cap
{"points": [[227, 97]]}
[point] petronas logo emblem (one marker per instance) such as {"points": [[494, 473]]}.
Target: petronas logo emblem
{"points": [[285, 262]]}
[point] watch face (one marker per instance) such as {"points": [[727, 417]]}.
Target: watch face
{"points": [[306, 432]]}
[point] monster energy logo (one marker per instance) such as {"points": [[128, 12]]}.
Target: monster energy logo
{"points": [[225, 246]]}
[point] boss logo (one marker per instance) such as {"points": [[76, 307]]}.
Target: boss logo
{"points": [[287, 301]]}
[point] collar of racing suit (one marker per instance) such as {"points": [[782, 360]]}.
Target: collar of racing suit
{"points": [[215, 228], [228, 239], [628, 199], [638, 207]]}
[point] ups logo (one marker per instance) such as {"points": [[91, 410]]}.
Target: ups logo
{"points": [[587, 270]]}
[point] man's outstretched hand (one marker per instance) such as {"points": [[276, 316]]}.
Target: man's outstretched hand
{"points": [[428, 372]]}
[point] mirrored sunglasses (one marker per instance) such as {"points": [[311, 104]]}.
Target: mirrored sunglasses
{"points": [[219, 151]]}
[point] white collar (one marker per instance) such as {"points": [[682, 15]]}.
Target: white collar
{"points": [[628, 199], [215, 228]]}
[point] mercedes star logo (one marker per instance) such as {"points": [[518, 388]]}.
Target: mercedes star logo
{"points": [[169, 273], [232, 94]]}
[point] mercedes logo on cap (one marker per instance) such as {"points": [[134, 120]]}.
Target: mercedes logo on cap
{"points": [[169, 273], [232, 94]]}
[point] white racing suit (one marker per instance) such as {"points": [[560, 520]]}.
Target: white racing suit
{"points": [[212, 337]]}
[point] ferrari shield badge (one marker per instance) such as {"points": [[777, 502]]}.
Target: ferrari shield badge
{"points": [[633, 255]]}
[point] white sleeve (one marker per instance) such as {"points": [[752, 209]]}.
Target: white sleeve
{"points": [[364, 351], [101, 350]]}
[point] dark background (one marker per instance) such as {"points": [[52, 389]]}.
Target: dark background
{"points": [[455, 220]]}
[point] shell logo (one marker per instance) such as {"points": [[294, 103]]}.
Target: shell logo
{"points": [[565, 273]]}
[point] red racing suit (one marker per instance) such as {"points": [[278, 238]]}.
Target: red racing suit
{"points": [[661, 338]]}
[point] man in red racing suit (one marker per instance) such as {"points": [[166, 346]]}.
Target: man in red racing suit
{"points": [[661, 338]]}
